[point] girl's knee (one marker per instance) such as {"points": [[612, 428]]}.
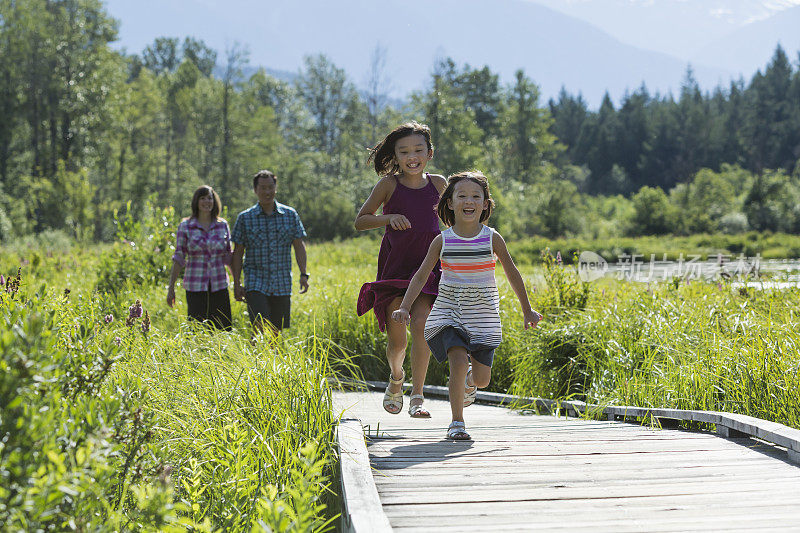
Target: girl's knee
{"points": [[396, 341], [481, 382], [481, 375], [418, 326]]}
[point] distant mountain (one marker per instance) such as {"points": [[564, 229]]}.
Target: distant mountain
{"points": [[554, 49], [676, 27], [738, 36], [750, 48]]}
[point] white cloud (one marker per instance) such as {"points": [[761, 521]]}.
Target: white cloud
{"points": [[721, 13]]}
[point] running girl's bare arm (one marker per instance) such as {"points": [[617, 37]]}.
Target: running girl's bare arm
{"points": [[367, 219], [418, 281], [530, 316]]}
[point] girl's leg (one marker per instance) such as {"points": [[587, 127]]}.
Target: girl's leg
{"points": [[396, 344], [420, 353], [481, 375], [457, 357]]}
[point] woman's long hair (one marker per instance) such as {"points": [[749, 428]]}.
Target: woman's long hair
{"points": [[205, 190]]}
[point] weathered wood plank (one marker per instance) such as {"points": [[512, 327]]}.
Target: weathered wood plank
{"points": [[578, 491], [532, 447], [362, 509], [483, 461], [456, 481], [599, 509], [664, 521], [560, 471]]}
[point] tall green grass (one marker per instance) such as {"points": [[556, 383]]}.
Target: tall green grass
{"points": [[248, 426], [108, 425], [686, 346]]}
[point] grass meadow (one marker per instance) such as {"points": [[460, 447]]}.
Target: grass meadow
{"points": [[151, 423]]}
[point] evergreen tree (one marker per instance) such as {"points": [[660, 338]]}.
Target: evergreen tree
{"points": [[599, 140], [634, 140], [769, 133], [569, 115], [526, 131]]}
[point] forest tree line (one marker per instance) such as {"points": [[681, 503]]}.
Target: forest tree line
{"points": [[87, 130]]}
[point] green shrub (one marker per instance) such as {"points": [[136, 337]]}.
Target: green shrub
{"points": [[142, 255], [74, 455]]}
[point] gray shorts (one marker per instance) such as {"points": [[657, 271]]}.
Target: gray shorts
{"points": [[449, 337], [276, 309]]}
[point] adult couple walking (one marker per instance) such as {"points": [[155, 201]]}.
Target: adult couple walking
{"points": [[263, 237]]}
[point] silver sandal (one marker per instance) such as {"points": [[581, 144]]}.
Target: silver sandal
{"points": [[457, 431], [416, 410], [469, 395]]}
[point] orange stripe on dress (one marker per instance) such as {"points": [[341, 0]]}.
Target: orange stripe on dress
{"points": [[489, 265]]}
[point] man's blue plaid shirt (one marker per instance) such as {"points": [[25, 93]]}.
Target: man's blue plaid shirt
{"points": [[267, 240]]}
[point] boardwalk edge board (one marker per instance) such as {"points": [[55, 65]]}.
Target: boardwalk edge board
{"points": [[362, 511], [728, 425]]}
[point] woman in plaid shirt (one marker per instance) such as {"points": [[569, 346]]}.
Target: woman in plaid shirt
{"points": [[203, 248]]}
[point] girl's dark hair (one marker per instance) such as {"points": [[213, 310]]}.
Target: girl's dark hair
{"points": [[383, 152], [446, 214], [202, 191]]}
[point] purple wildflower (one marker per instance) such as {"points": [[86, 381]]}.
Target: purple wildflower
{"points": [[135, 311], [146, 322], [558, 257], [12, 284], [2, 281], [108, 319], [117, 340]]}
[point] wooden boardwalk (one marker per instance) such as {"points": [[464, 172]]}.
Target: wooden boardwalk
{"points": [[546, 473]]}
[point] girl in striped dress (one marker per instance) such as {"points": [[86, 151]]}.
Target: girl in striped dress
{"points": [[464, 324]]}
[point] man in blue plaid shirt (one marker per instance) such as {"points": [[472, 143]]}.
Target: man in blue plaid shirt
{"points": [[263, 236]]}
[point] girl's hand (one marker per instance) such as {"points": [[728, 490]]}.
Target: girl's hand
{"points": [[399, 222], [171, 296], [531, 318], [402, 315]]}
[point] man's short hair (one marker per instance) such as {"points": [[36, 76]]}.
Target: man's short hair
{"points": [[264, 174]]}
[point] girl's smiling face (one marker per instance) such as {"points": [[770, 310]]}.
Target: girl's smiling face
{"points": [[412, 153], [468, 202]]}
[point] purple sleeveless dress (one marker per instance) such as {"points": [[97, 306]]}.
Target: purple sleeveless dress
{"points": [[402, 251]]}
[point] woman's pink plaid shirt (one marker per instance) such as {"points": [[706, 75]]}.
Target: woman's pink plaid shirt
{"points": [[204, 254]]}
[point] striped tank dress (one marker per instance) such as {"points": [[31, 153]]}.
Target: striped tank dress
{"points": [[468, 300]]}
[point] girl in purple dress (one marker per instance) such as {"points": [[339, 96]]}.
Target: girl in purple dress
{"points": [[409, 197]]}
